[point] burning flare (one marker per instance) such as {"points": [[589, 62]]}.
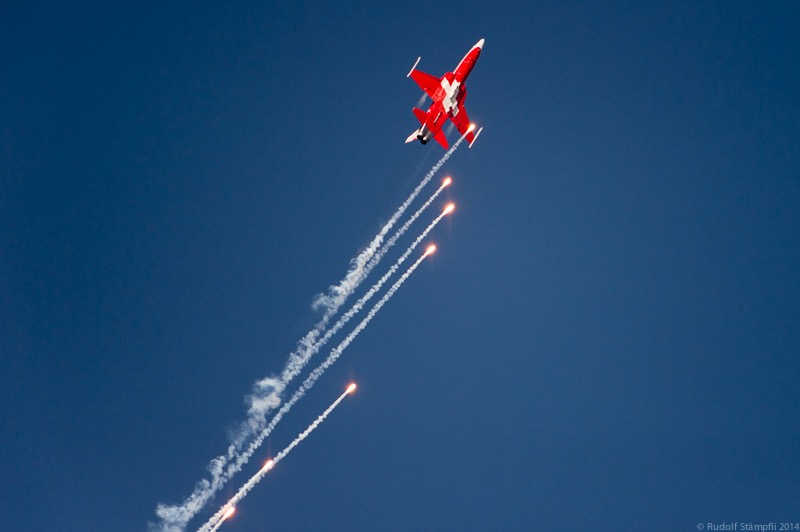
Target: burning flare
{"points": [[268, 465]]}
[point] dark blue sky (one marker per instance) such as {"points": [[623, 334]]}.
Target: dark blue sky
{"points": [[607, 339]]}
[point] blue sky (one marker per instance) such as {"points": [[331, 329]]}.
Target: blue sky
{"points": [[606, 339]]}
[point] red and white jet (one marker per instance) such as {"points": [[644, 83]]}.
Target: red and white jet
{"points": [[448, 94]]}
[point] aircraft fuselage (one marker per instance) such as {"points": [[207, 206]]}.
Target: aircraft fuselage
{"points": [[448, 94]]}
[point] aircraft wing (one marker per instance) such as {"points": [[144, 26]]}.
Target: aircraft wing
{"points": [[461, 120], [430, 84]]}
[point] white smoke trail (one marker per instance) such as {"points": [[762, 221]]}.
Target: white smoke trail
{"points": [[267, 392], [400, 232], [255, 479], [314, 376], [228, 512], [337, 294], [358, 305], [175, 519], [308, 348], [216, 527]]}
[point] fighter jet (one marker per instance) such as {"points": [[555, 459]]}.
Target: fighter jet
{"points": [[448, 94]]}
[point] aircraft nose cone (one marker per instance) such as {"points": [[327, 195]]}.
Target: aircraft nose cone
{"points": [[480, 44]]}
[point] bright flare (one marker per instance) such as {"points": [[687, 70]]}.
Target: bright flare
{"points": [[430, 250], [471, 128], [219, 517], [229, 463], [229, 512], [268, 465], [449, 208], [447, 181], [311, 379], [351, 388]]}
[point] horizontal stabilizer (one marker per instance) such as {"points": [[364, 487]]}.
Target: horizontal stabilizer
{"points": [[441, 139], [420, 114]]}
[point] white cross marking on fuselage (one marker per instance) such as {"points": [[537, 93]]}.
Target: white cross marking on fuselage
{"points": [[450, 93]]}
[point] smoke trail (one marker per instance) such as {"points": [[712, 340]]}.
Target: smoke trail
{"points": [[358, 305], [308, 348], [400, 232], [255, 479], [314, 376], [229, 512], [216, 527], [337, 294], [267, 392], [175, 518]]}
